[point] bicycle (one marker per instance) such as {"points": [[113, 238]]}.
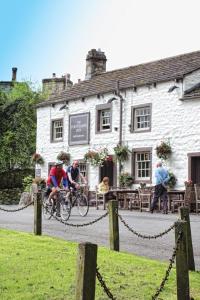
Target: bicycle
{"points": [[58, 204], [79, 199]]}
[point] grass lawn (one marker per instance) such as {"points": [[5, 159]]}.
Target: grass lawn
{"points": [[44, 268]]}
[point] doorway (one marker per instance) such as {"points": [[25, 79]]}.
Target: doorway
{"points": [[108, 169], [194, 167]]}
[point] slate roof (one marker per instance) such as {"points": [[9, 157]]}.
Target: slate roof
{"points": [[143, 74]]}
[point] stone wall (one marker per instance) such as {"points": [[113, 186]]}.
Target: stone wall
{"points": [[10, 196]]}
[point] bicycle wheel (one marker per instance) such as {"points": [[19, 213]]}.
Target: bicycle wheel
{"points": [[83, 205], [47, 209], [65, 209]]}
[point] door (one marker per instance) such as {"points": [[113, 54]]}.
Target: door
{"points": [[195, 169], [107, 170]]}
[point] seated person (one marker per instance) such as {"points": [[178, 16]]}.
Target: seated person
{"points": [[103, 188]]}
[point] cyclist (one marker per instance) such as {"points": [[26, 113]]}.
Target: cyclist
{"points": [[74, 174], [56, 176]]}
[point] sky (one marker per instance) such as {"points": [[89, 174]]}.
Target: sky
{"points": [[41, 37]]}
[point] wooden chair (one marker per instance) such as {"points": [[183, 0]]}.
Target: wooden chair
{"points": [[176, 202], [133, 201], [100, 199], [145, 196], [190, 197], [197, 196]]}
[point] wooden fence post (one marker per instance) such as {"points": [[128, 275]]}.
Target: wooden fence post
{"points": [[184, 213], [86, 271], [38, 214], [113, 225], [182, 274]]}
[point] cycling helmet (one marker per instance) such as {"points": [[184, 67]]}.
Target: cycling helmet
{"points": [[58, 163]]}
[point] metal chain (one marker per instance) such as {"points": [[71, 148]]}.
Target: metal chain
{"points": [[171, 260], [17, 209], [103, 285], [144, 236], [80, 225]]}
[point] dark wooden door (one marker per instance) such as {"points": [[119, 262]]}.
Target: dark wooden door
{"points": [[195, 169], [107, 170]]}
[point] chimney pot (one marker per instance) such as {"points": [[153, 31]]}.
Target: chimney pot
{"points": [[14, 74]]}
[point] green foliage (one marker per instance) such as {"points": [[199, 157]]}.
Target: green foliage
{"points": [[172, 180], [164, 150], [125, 179], [18, 126], [121, 152], [27, 181], [97, 157], [13, 178]]}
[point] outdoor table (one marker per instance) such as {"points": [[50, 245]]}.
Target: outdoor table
{"points": [[119, 191], [172, 193]]}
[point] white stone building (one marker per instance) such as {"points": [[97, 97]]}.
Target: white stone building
{"points": [[160, 101]]}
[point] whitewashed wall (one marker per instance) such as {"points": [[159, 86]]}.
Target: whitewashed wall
{"points": [[178, 121]]}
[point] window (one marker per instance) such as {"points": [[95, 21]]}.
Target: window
{"points": [[103, 122], [57, 130], [83, 168], [141, 118], [142, 165]]}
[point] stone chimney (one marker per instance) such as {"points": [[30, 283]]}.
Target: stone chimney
{"points": [[14, 74], [95, 63]]}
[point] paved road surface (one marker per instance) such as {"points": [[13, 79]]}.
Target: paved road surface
{"points": [[144, 222]]}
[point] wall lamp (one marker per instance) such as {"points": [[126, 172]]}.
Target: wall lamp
{"points": [[65, 106], [172, 88]]}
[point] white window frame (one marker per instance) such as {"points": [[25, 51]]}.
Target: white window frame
{"points": [[142, 165], [57, 131], [105, 120], [141, 120]]}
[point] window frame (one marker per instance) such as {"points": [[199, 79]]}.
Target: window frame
{"points": [[82, 161], [53, 140], [99, 109], [133, 118], [135, 151]]}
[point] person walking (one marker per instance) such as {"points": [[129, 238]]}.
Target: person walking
{"points": [[162, 178]]}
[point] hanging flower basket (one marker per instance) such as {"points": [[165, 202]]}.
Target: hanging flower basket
{"points": [[96, 158], [164, 150], [121, 152], [64, 156], [37, 159]]}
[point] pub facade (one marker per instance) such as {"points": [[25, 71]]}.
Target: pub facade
{"points": [[138, 107]]}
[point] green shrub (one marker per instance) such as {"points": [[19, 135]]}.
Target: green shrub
{"points": [[27, 181]]}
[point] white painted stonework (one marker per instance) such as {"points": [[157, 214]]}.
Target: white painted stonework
{"points": [[173, 119]]}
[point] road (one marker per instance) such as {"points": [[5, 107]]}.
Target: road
{"points": [[98, 233]]}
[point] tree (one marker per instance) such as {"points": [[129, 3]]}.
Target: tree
{"points": [[18, 125]]}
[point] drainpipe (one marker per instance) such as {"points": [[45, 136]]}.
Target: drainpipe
{"points": [[120, 122]]}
